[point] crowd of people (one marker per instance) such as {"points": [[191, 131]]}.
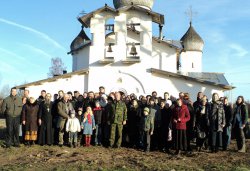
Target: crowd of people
{"points": [[114, 120]]}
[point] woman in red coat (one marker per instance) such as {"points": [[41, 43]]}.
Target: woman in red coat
{"points": [[180, 117]]}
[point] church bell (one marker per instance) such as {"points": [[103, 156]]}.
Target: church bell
{"points": [[133, 50], [110, 48]]}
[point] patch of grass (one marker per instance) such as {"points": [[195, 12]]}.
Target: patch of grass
{"points": [[240, 168]]}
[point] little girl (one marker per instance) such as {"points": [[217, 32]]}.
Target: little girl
{"points": [[88, 125]]}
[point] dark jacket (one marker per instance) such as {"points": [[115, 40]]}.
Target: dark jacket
{"points": [[216, 116], [228, 115], [98, 115], [134, 118], [12, 106], [201, 119], [166, 118], [240, 116], [182, 113]]}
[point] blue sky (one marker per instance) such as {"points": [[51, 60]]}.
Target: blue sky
{"points": [[33, 32]]}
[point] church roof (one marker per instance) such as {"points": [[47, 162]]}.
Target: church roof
{"points": [[145, 3], [171, 43], [156, 17], [191, 41], [85, 19], [218, 78], [209, 80], [40, 82], [81, 40]]}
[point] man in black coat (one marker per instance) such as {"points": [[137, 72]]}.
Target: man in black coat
{"points": [[45, 122]]}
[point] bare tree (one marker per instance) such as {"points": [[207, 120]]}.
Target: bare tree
{"points": [[57, 67], [5, 91]]}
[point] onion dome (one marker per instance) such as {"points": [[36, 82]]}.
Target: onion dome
{"points": [[80, 40], [148, 4], [191, 41]]}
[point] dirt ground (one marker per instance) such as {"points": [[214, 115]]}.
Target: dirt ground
{"points": [[99, 158]]}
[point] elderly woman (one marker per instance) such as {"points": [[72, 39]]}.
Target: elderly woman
{"points": [[180, 117], [30, 120]]}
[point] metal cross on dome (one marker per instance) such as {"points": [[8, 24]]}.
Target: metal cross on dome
{"points": [[190, 13]]}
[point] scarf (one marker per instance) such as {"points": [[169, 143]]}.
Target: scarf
{"points": [[89, 119], [97, 108]]}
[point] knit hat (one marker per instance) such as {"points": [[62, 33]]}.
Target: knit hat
{"points": [[72, 112], [146, 109]]}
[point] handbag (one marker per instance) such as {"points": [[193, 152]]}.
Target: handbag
{"points": [[170, 135], [201, 134]]}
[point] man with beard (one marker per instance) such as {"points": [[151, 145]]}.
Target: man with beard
{"points": [[45, 121]]}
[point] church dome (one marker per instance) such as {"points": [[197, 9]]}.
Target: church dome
{"points": [[191, 41], [143, 3], [80, 40]]}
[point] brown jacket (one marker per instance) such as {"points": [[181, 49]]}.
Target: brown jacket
{"points": [[64, 108]]}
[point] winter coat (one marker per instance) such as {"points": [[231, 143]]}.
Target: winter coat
{"points": [[30, 116], [73, 125], [107, 113], [201, 119], [147, 123], [228, 115], [12, 106], [240, 116], [183, 114], [64, 109], [191, 122], [216, 117], [157, 115], [166, 118], [88, 124], [153, 112], [98, 115], [134, 118]]}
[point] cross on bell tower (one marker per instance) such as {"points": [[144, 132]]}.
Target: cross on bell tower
{"points": [[190, 13]]}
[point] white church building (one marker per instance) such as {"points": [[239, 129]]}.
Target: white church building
{"points": [[122, 54]]}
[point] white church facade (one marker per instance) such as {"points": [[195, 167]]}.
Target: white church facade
{"points": [[124, 55]]}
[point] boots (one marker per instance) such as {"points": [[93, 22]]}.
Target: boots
{"points": [[70, 145], [86, 141], [243, 149], [89, 141]]}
